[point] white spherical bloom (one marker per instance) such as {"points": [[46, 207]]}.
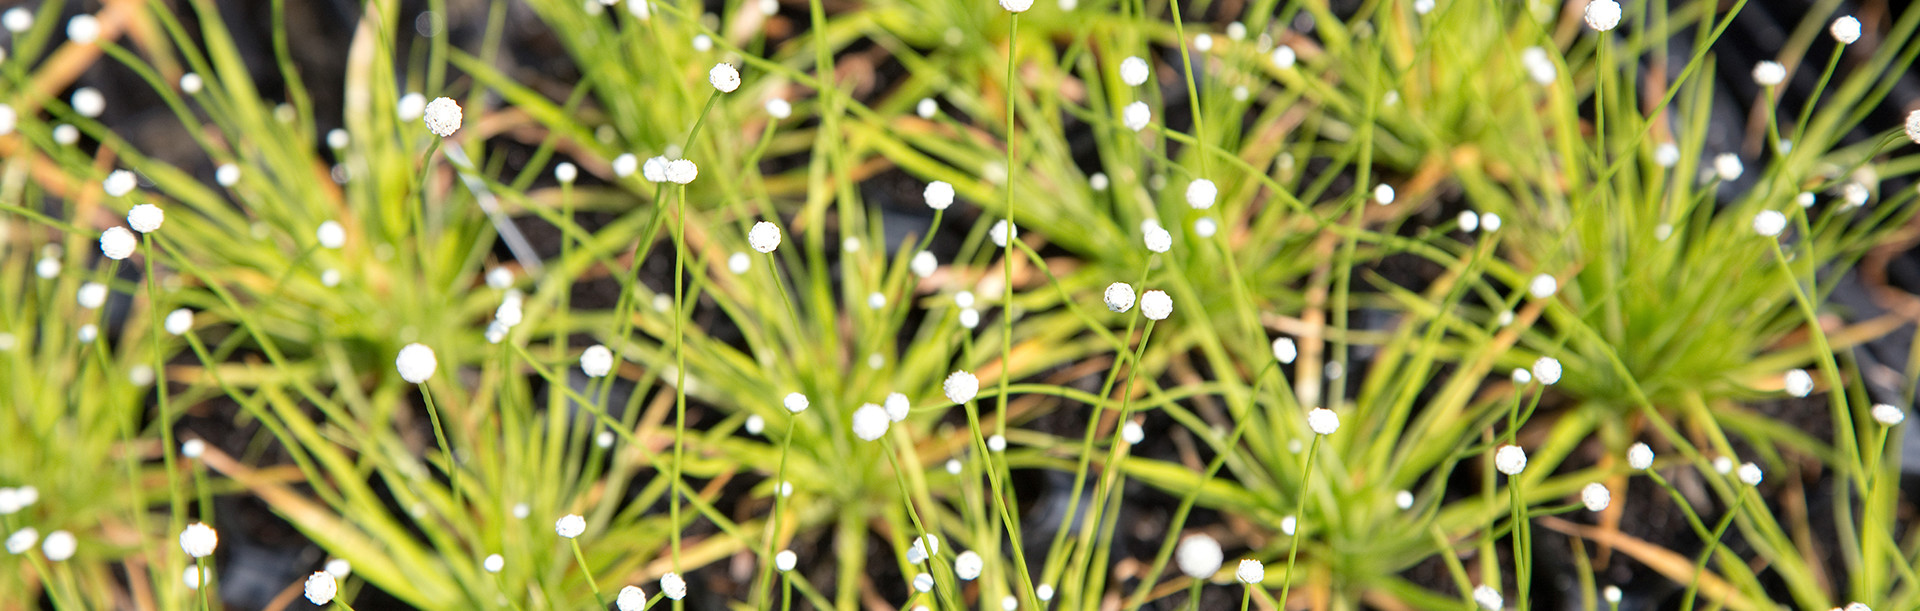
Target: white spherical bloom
{"points": [[596, 361], [1489, 221], [193, 448], [1769, 223], [91, 295], [1284, 57], [764, 237], [1201, 193], [1547, 370], [897, 406], [1156, 305], [1383, 193], [961, 387], [1133, 71], [1888, 415], [1722, 465], [1603, 15], [926, 108], [330, 235], [997, 443], [923, 264], [1250, 572], [1727, 166], [631, 598], [795, 402], [1468, 221], [227, 175], [1136, 115], [321, 587], [198, 540], [1203, 42], [119, 182], [83, 29], [1510, 459], [410, 107], [1119, 297], [1845, 30], [442, 116], [500, 278], [146, 218], [63, 134], [968, 565], [1403, 499], [1236, 31], [117, 243], [1750, 474], [338, 138], [963, 299], [1798, 382], [1159, 240], [626, 163], [88, 102], [1488, 598], [681, 171], [179, 321], [1284, 350], [923, 582], [87, 333], [939, 195], [1857, 606], [1132, 433], [1539, 65], [570, 526], [1044, 592], [999, 233], [917, 553], [1854, 194], [1543, 286], [141, 375], [1611, 594], [1016, 6], [739, 263], [1323, 421], [779, 108], [1522, 377], [9, 118], [47, 268], [416, 363], [1666, 154], [755, 424], [1913, 133], [17, 19], [193, 576], [1596, 496], [22, 540], [1198, 556], [724, 77], [1205, 227], [566, 172], [59, 545], [493, 563], [1769, 73], [876, 300], [1098, 181], [785, 560], [870, 422]]}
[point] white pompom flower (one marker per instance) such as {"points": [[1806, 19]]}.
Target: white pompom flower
{"points": [[178, 322], [1640, 456], [870, 422], [681, 171], [119, 183], [1510, 459], [1133, 71], [330, 235], [117, 243], [1156, 305], [785, 560], [59, 546], [795, 402], [321, 588], [1383, 194], [1201, 193], [999, 232], [570, 526], [1728, 167], [199, 540], [961, 387], [442, 117], [897, 406], [1199, 556], [1323, 421], [923, 264], [1159, 240], [596, 361], [779, 108], [631, 598], [764, 237], [416, 363], [1603, 15], [1798, 382], [493, 563], [1488, 598], [1913, 127], [1119, 297], [1769, 73], [146, 218], [1251, 572], [939, 195], [83, 29], [1016, 6], [1547, 370], [1845, 30], [1750, 474], [967, 565], [1596, 497], [724, 77], [1284, 350], [673, 586], [1888, 415], [1542, 286], [1769, 223], [91, 295], [1136, 116]]}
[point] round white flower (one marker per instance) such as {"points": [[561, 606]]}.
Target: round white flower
{"points": [[1546, 369], [779, 109], [91, 295], [764, 237], [631, 598], [500, 278], [443, 117], [1403, 499], [227, 175], [1728, 167], [1603, 15], [1250, 572], [117, 243], [1543, 286], [330, 235], [1769, 73], [87, 333], [88, 102], [1284, 57], [119, 183], [193, 576], [83, 29], [339, 568], [1798, 382], [1159, 240], [1133, 71], [923, 582], [1611, 594], [1510, 459], [47, 268], [926, 108], [17, 19], [999, 233], [739, 263], [1044, 592], [570, 526], [1198, 556], [1284, 350], [1132, 433], [785, 560], [1769, 223], [338, 138], [870, 422], [939, 195], [968, 565], [59, 545], [1888, 415], [179, 321], [897, 406], [1722, 465], [22, 540], [1489, 221], [1750, 474], [1203, 42], [724, 77], [1136, 115], [1016, 6], [1857, 606], [1539, 65], [1913, 129], [1098, 181], [1666, 154], [755, 424], [493, 563], [681, 171], [795, 402], [1323, 421], [193, 448], [961, 387], [1383, 194], [1596, 496], [416, 363], [566, 172], [1488, 598], [596, 361], [1845, 30], [923, 264], [146, 218], [1522, 377], [1156, 305], [997, 443], [1201, 193], [654, 170], [198, 540], [1119, 297], [876, 300], [321, 587], [918, 552]]}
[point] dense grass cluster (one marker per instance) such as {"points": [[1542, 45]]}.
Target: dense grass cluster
{"points": [[1375, 307]]}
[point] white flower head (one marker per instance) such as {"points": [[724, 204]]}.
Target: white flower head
{"points": [[1044, 592], [1323, 421], [91, 295], [146, 218], [1489, 221], [1133, 71], [795, 402], [1203, 42], [673, 586], [193, 576], [897, 406], [1284, 57], [1136, 115], [1546, 369], [17, 19], [493, 563], [179, 321], [88, 102], [1768, 73], [1383, 194], [918, 552], [339, 568], [1156, 305], [939, 195], [961, 387], [1199, 556], [1284, 350], [1728, 167], [1522, 377], [1016, 6], [1750, 474], [1845, 30], [1603, 15], [923, 264], [1640, 456], [1159, 240], [1857, 606], [779, 108], [193, 448], [1913, 127], [681, 171], [566, 172], [321, 587], [416, 363], [330, 235], [1543, 286], [755, 424], [59, 546], [1888, 415], [1205, 227], [1611, 594], [968, 565], [119, 183], [570, 526], [1403, 499], [227, 175], [1510, 459], [336, 138], [926, 108], [442, 116], [1722, 465], [1666, 154], [1119, 297], [870, 422], [22, 540], [1098, 181], [1769, 223], [1539, 65], [764, 237], [117, 243], [999, 232], [785, 560], [84, 29], [631, 598], [1201, 193], [923, 582], [1250, 572], [724, 77], [198, 540], [1798, 382], [997, 443], [1488, 598], [1596, 497], [596, 361]]}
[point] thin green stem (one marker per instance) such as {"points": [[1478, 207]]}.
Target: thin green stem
{"points": [[1299, 516], [574, 542], [440, 435]]}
